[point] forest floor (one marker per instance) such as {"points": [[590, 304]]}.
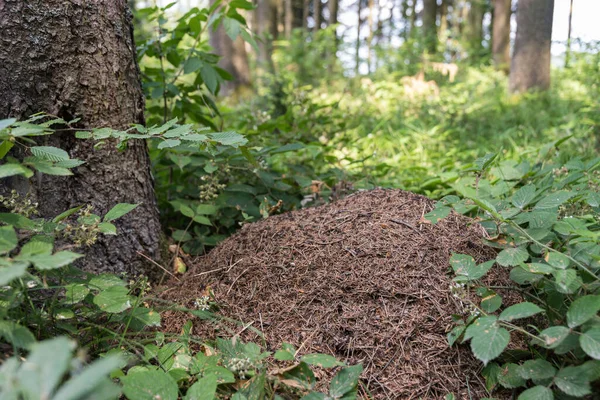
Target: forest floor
{"points": [[365, 278]]}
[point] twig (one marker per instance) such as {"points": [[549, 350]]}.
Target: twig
{"points": [[218, 269], [400, 222], [158, 265], [236, 279]]}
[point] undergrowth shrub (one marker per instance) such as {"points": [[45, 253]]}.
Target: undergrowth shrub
{"points": [[543, 216], [47, 306]]}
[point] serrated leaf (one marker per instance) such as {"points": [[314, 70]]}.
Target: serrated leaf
{"points": [[583, 309], [557, 260], [167, 143], [12, 271], [10, 169], [509, 376], [17, 335], [52, 261], [5, 147], [107, 228], [118, 211], [114, 299], [149, 385], [75, 293], [465, 268], [204, 389], [321, 360], [553, 200], [105, 281], [590, 342], [437, 214], [537, 369], [145, 317], [91, 380], [8, 239], [49, 153], [572, 382], [523, 196], [455, 334], [233, 139], [537, 393], [518, 311], [345, 381], [567, 281], [488, 340], [491, 302], [512, 256], [554, 336], [5, 123]]}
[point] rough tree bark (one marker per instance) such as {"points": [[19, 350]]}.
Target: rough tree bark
{"points": [[429, 25], [530, 66], [501, 35], [77, 59]]}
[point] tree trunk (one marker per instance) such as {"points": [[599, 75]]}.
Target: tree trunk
{"points": [[413, 18], [443, 32], [358, 24], [234, 60], [298, 14], [264, 16], [568, 50], [289, 18], [371, 23], [333, 11], [429, 25], [530, 67], [305, 12], [501, 35], [78, 59], [317, 14], [475, 29]]}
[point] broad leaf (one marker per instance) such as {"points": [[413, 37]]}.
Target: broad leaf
{"points": [[512, 256], [149, 385], [321, 360], [115, 299], [583, 309], [590, 342], [537, 393], [118, 211], [521, 310]]}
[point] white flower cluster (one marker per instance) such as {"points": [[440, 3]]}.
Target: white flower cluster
{"points": [[239, 366], [201, 303], [459, 292]]}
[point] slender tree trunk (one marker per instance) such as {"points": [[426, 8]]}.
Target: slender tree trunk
{"points": [[289, 18], [475, 28], [298, 14], [317, 14], [358, 24], [305, 12], [501, 35], [429, 25], [333, 11], [568, 52], [443, 32], [371, 22], [78, 59], [264, 20], [530, 67]]}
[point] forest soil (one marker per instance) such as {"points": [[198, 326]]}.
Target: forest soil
{"points": [[365, 278]]}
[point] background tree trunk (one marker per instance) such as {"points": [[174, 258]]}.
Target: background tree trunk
{"points": [[429, 25], [317, 14], [288, 18], [333, 11], [78, 59], [475, 29], [265, 16], [530, 67], [501, 35], [568, 50], [234, 60]]}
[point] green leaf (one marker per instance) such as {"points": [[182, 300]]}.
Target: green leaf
{"points": [[571, 381], [491, 302], [233, 139], [321, 360], [44, 368], [105, 281], [56, 260], [118, 211], [5, 148], [10, 169], [553, 200], [583, 309], [523, 196], [167, 143], [345, 382], [8, 239], [518, 311], [455, 334], [149, 385], [512, 256], [114, 299], [87, 382], [283, 355], [66, 214], [537, 393], [192, 65], [590, 342], [509, 376], [12, 271], [210, 77], [204, 389], [17, 335], [558, 260], [206, 209], [145, 317], [437, 214], [554, 336], [18, 221], [36, 247], [5, 123], [49, 153], [488, 339], [537, 369], [107, 228], [567, 281], [75, 293], [465, 268]]}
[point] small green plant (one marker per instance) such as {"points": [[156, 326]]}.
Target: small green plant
{"points": [[544, 219]]}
